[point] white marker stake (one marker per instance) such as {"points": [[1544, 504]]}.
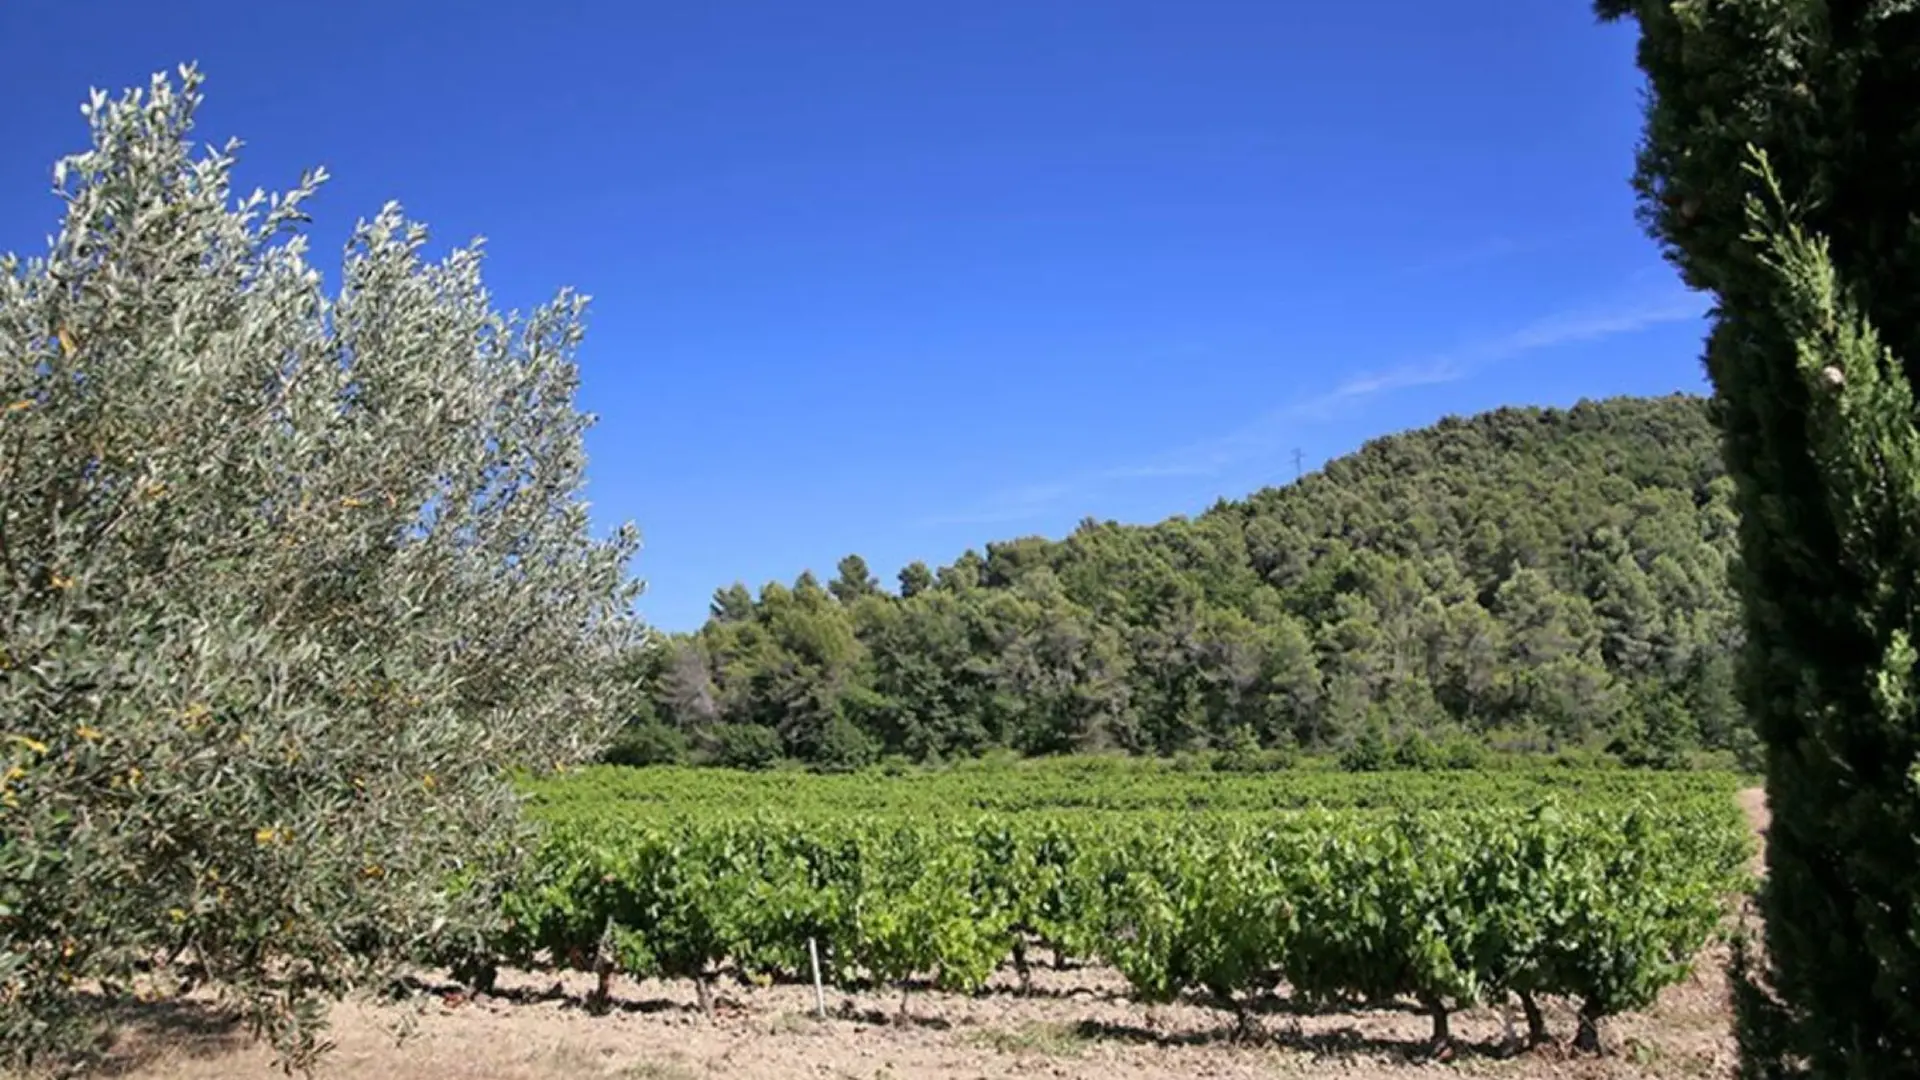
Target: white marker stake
{"points": [[819, 995]]}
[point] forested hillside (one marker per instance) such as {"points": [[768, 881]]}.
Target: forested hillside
{"points": [[1527, 578]]}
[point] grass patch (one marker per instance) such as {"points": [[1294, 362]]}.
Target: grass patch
{"points": [[659, 1070], [793, 1023], [1039, 1039]]}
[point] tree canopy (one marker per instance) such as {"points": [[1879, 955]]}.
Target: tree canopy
{"points": [[1529, 578], [1778, 171], [291, 581]]}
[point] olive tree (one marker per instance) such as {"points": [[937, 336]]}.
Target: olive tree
{"points": [[290, 580]]}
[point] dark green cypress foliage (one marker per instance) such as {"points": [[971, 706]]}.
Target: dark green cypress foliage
{"points": [[1781, 169]]}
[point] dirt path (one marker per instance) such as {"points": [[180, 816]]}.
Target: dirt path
{"points": [[1753, 802]]}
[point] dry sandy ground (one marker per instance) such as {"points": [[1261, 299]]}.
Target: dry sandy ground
{"points": [[1076, 1024], [1754, 802]]}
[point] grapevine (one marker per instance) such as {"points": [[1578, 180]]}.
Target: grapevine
{"points": [[1601, 899]]}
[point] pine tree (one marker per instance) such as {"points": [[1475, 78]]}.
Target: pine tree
{"points": [[732, 604], [915, 579], [1778, 169], [853, 580]]}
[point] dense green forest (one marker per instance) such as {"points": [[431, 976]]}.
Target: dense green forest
{"points": [[1527, 579]]}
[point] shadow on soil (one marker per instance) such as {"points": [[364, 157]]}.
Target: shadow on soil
{"points": [[149, 1031], [1338, 1044], [455, 995], [890, 1018]]}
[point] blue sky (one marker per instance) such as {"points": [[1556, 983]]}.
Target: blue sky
{"points": [[902, 278]]}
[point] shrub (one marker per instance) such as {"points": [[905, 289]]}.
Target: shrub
{"points": [[747, 746], [1415, 751], [647, 743], [1244, 754], [844, 747], [1368, 751], [292, 580], [1462, 752]]}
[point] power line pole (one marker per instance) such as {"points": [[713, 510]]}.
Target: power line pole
{"points": [[1298, 470]]}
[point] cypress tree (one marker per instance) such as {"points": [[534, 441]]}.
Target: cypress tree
{"points": [[1780, 170]]}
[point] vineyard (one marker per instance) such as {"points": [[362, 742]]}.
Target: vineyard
{"points": [[1597, 888], [1098, 783]]}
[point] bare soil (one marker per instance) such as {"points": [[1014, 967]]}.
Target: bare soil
{"points": [[1076, 1023], [1754, 802]]}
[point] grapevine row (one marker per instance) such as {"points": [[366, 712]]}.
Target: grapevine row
{"points": [[1603, 907], [1104, 784]]}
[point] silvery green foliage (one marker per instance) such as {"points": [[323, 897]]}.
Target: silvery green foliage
{"points": [[288, 581]]}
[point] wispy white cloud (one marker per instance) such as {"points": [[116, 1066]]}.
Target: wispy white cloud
{"points": [[1154, 472], [1592, 325], [1012, 504], [1492, 249], [1271, 432], [1266, 433], [1497, 248], [1370, 384]]}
